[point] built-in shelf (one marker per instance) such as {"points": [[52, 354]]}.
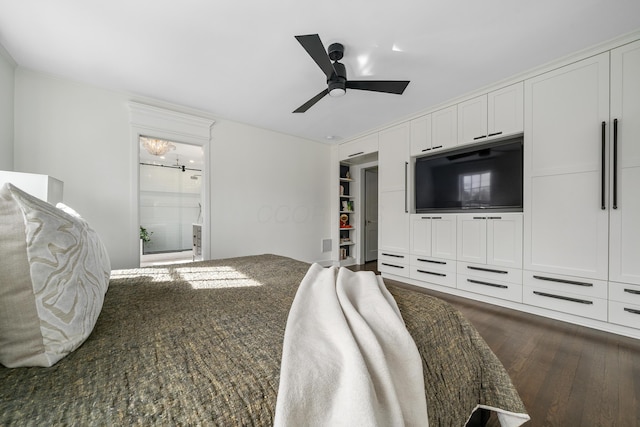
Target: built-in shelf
{"points": [[346, 199]]}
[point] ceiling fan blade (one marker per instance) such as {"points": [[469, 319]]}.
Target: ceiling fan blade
{"points": [[314, 47], [304, 107], [387, 86]]}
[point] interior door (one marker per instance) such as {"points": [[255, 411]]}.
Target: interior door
{"points": [[370, 215]]}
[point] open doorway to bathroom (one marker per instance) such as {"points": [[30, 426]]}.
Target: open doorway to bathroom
{"points": [[170, 200]]}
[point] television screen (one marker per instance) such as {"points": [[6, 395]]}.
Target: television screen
{"points": [[474, 178]]}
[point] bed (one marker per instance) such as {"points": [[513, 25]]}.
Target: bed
{"points": [[201, 343]]}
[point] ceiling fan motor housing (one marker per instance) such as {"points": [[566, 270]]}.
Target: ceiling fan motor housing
{"points": [[335, 51]]}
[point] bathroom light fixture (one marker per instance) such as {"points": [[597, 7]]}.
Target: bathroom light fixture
{"points": [[157, 147]]}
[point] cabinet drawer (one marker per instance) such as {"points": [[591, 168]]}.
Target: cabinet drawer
{"points": [[395, 268], [433, 275], [393, 257], [570, 284], [491, 272], [565, 302], [393, 263], [490, 287], [425, 262], [623, 292], [624, 314]]}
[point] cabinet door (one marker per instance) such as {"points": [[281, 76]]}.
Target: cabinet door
{"points": [[565, 225], [393, 157], [393, 222], [420, 235], [472, 120], [420, 135], [443, 237], [444, 128], [504, 240], [505, 111], [472, 239], [625, 210], [358, 147]]}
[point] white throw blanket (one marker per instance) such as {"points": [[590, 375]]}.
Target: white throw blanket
{"points": [[348, 359]]}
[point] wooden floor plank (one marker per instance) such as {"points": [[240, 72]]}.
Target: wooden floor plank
{"points": [[567, 375]]}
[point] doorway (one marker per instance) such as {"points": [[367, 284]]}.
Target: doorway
{"points": [[370, 218], [170, 200]]}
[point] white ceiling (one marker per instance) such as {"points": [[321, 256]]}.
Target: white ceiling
{"points": [[239, 59]]}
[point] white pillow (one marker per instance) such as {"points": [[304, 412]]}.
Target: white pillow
{"points": [[54, 273]]}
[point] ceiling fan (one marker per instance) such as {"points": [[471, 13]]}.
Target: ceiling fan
{"points": [[336, 73]]}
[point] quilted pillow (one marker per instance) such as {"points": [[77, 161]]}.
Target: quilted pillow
{"points": [[54, 273]]}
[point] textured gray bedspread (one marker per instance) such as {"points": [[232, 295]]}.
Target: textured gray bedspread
{"points": [[200, 344]]}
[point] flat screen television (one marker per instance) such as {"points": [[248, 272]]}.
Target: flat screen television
{"points": [[475, 178]]}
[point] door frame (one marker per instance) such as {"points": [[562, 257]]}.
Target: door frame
{"points": [[147, 120], [364, 210]]}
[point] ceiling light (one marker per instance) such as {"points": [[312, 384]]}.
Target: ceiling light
{"points": [[157, 147], [338, 91]]}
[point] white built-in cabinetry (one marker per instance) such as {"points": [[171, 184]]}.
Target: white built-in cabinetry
{"points": [[393, 199], [358, 147], [444, 128], [574, 251], [433, 248], [493, 115], [582, 173]]}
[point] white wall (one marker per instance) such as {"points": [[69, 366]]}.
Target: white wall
{"points": [[270, 192], [7, 69]]}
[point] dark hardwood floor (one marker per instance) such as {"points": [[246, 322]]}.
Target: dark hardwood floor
{"points": [[567, 375]]}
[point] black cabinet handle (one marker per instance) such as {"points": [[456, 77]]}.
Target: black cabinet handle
{"points": [[391, 265], [631, 310], [479, 137], [603, 177], [494, 217], [432, 273], [544, 294], [436, 217], [488, 270], [431, 261], [615, 164], [393, 255], [632, 291], [356, 154], [496, 133], [479, 217], [567, 282], [437, 146], [493, 285], [426, 149], [406, 180]]}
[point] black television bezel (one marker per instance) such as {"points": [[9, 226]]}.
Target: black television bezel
{"points": [[470, 149]]}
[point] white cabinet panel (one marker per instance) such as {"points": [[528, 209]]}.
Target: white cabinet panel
{"points": [[492, 239], [504, 240], [472, 120], [358, 147], [443, 237], [566, 229], [505, 111], [393, 157], [472, 239], [444, 128], [393, 222], [421, 135], [624, 199], [420, 235]]}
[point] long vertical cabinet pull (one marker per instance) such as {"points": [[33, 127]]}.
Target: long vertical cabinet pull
{"points": [[603, 178], [615, 164], [406, 181]]}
